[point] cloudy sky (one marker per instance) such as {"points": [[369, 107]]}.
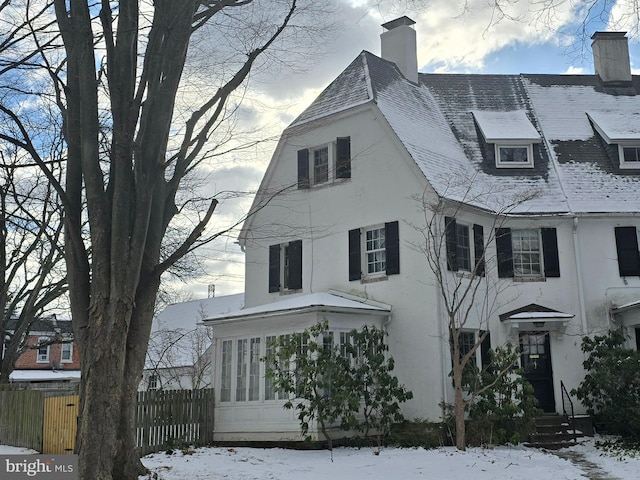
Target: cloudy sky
{"points": [[463, 36]]}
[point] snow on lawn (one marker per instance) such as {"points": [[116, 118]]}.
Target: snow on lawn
{"points": [[6, 450], [353, 464]]}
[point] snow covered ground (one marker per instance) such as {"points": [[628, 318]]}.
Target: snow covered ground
{"points": [[499, 463]]}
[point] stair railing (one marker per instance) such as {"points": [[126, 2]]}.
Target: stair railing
{"points": [[567, 409]]}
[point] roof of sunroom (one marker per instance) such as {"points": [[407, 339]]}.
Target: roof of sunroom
{"points": [[330, 302]]}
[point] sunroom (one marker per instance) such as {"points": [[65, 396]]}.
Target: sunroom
{"points": [[247, 408]]}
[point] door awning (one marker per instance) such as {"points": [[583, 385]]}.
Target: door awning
{"points": [[534, 318]]}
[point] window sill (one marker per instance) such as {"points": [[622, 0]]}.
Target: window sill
{"points": [[289, 292], [381, 278], [330, 183], [529, 279]]}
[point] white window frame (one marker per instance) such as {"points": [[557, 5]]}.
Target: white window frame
{"points": [[66, 347], [313, 170], [226, 371], [540, 263], [152, 382], [379, 249], [40, 357], [506, 164], [626, 164], [464, 253]]}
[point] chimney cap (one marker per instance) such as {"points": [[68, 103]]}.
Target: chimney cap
{"points": [[610, 35], [404, 20]]}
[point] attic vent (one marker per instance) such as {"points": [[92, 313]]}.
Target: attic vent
{"points": [[512, 135], [622, 133]]}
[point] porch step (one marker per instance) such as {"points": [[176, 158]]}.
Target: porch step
{"points": [[553, 432]]}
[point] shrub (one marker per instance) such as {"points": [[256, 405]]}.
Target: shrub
{"points": [[610, 389]]}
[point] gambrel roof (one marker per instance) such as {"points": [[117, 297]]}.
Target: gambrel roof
{"points": [[576, 169]]}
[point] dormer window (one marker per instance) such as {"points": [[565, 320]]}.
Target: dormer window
{"points": [[514, 156], [512, 135], [621, 130], [629, 156]]}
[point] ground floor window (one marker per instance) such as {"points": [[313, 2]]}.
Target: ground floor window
{"points": [[242, 374]]}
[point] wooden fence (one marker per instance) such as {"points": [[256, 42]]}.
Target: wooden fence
{"points": [[178, 417], [21, 418], [48, 425]]}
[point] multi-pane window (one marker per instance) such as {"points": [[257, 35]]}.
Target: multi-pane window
{"points": [[321, 165], [467, 341], [631, 154], [254, 369], [241, 369], [375, 252], [286, 261], [153, 382], [463, 247], [43, 350], [66, 352], [269, 390], [526, 252], [225, 375]]}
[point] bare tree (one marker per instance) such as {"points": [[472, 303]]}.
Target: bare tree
{"points": [[32, 278], [114, 70], [469, 294], [179, 357]]}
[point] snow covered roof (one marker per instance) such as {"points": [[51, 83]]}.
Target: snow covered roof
{"points": [[435, 120], [299, 303], [498, 126], [44, 375], [186, 315], [176, 340]]}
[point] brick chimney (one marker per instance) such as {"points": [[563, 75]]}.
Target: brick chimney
{"points": [[611, 57], [398, 45]]}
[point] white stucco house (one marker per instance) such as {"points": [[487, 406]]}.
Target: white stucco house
{"points": [[538, 179], [179, 351]]}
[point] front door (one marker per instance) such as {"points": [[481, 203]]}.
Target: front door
{"points": [[536, 363]]}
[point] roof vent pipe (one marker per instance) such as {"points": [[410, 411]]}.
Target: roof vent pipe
{"points": [[611, 57], [398, 45]]}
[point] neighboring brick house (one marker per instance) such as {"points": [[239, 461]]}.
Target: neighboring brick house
{"points": [[48, 347]]}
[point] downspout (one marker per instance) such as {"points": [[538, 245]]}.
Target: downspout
{"points": [[576, 252], [443, 352]]}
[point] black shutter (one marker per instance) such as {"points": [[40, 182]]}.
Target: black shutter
{"points": [[274, 268], [627, 247], [550, 252], [355, 262], [485, 346], [295, 265], [343, 157], [478, 249], [392, 247], [303, 168], [451, 240], [505, 252]]}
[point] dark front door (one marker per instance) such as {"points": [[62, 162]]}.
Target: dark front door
{"points": [[536, 363]]}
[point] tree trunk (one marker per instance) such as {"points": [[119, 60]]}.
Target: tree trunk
{"points": [[461, 443]]}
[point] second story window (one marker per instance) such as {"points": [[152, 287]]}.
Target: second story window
{"points": [[285, 267], [66, 352], [527, 253], [462, 253], [374, 252], [43, 350]]}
